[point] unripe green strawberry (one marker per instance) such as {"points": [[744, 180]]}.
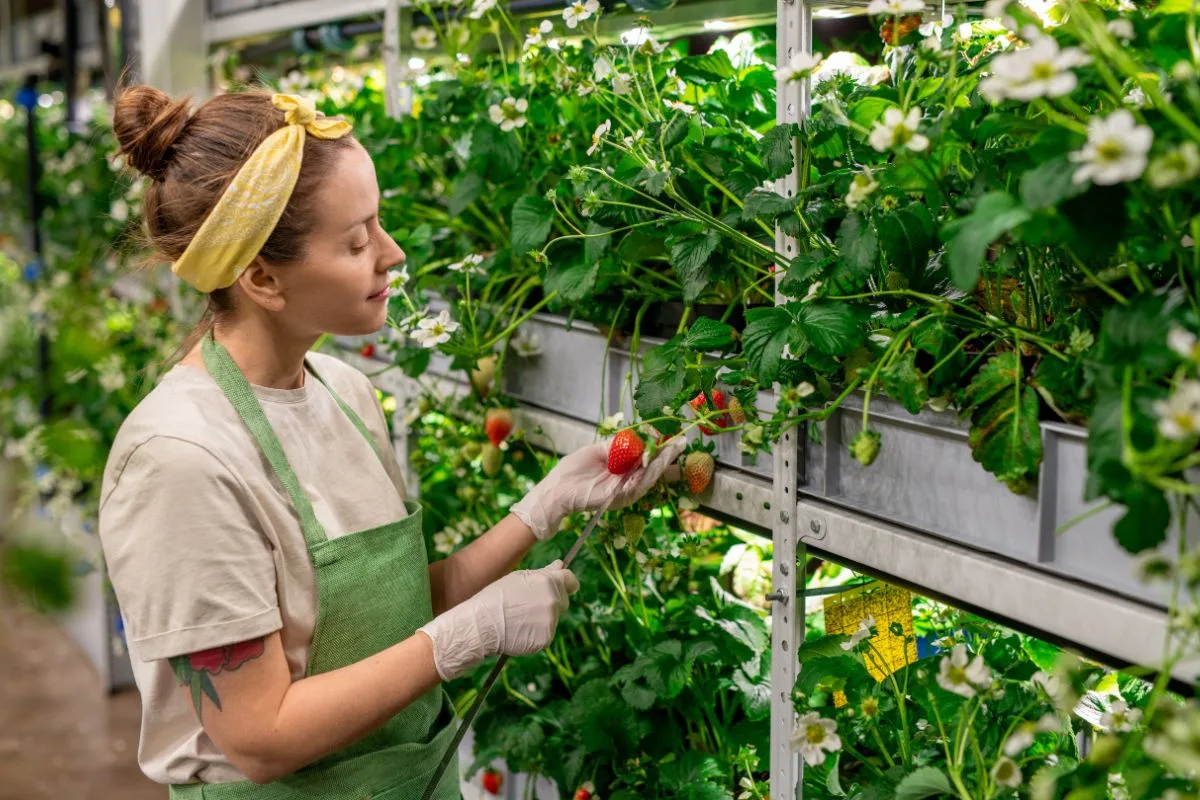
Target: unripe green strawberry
{"points": [[471, 450], [865, 447], [895, 281], [735, 411], [633, 525], [698, 470], [481, 376], [493, 457]]}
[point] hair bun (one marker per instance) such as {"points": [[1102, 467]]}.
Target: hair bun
{"points": [[147, 123]]}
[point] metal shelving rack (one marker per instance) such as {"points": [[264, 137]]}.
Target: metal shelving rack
{"points": [[806, 499]]}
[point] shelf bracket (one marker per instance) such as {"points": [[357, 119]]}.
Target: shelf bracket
{"points": [[794, 35]]}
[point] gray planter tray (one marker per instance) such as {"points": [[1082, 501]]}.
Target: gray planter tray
{"points": [[924, 478]]}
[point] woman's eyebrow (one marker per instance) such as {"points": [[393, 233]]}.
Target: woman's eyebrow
{"points": [[362, 221]]}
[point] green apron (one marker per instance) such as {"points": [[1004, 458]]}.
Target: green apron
{"points": [[372, 592]]}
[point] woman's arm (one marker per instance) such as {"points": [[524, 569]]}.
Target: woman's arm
{"points": [[270, 727], [487, 559]]}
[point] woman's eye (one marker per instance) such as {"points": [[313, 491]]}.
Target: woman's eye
{"points": [[356, 249]]}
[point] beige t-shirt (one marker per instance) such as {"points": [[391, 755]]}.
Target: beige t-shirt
{"points": [[202, 543]]}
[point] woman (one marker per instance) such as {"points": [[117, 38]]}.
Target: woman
{"points": [[287, 632]]}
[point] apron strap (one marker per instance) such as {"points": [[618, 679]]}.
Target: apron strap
{"points": [[349, 412], [233, 383]]}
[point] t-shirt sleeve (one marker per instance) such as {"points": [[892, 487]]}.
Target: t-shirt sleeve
{"points": [[190, 565]]}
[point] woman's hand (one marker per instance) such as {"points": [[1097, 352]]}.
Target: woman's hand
{"points": [[582, 482]]}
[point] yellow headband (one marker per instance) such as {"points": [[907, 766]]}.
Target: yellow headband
{"points": [[248, 211]]}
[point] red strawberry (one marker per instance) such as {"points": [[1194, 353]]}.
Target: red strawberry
{"points": [[492, 781], [493, 457], [585, 792], [368, 350], [698, 470], [700, 405], [625, 453], [498, 425]]}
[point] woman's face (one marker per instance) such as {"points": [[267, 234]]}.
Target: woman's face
{"points": [[341, 285]]}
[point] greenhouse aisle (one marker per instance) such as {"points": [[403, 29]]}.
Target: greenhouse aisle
{"points": [[74, 741]]}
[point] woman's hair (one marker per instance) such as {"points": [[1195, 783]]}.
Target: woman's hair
{"points": [[192, 155]]}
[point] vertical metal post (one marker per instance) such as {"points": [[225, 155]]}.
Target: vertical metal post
{"points": [[391, 59], [794, 23]]}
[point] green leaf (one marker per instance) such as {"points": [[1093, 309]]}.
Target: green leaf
{"points": [[906, 384], [673, 133], [594, 248], [466, 191], [740, 624], [532, 218], [494, 152], [573, 282], [690, 255], [998, 374], [1044, 655], [708, 334], [755, 693], [922, 783], [868, 111], [765, 204], [692, 767], [1050, 183], [828, 646], [995, 214], [1175, 7], [777, 151], [1144, 524], [1005, 438], [662, 379], [763, 340], [858, 244], [712, 67], [832, 328], [906, 237]]}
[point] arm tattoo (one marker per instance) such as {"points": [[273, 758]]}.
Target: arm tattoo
{"points": [[195, 670]]}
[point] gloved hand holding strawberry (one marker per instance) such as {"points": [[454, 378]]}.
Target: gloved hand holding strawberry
{"points": [[583, 481]]}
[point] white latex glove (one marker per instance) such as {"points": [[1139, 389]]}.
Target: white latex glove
{"points": [[516, 615], [582, 482]]}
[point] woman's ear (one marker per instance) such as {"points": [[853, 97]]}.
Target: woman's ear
{"points": [[261, 284]]}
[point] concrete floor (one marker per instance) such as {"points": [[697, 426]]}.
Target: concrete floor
{"points": [[62, 737]]}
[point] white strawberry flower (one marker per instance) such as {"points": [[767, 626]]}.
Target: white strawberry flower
{"points": [[675, 83], [801, 66], [424, 38], [602, 68], [469, 265], [1006, 773], [1122, 29], [650, 46], [398, 277], [863, 185], [585, 88], [1020, 740], [119, 211], [1179, 166], [601, 131], [811, 295], [1120, 717], [1179, 414], [579, 11], [863, 632], [998, 9], [611, 424], [1041, 70], [1116, 150], [433, 331], [621, 84], [814, 738], [960, 675], [899, 129], [805, 389], [1184, 343], [526, 344], [481, 7], [537, 35], [936, 27], [682, 108], [1183, 71], [619, 542], [637, 136], [896, 8], [510, 113]]}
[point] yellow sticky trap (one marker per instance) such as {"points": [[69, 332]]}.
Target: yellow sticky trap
{"points": [[888, 605]]}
